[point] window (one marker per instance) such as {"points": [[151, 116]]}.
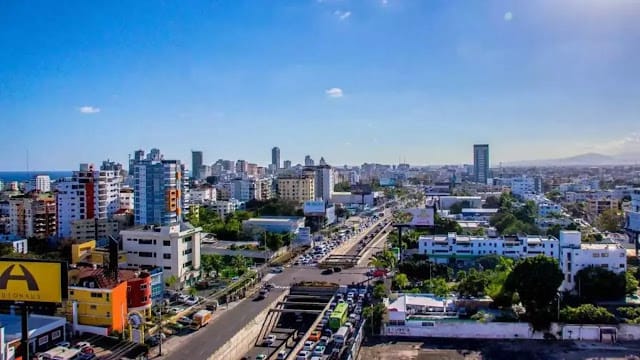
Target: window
{"points": [[166, 256], [143, 286], [187, 239], [187, 264], [145, 242], [96, 295], [188, 251], [43, 340], [622, 266], [166, 243], [145, 254], [93, 307], [108, 314], [56, 334], [167, 267], [71, 292]]}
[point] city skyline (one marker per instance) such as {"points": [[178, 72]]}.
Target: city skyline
{"points": [[379, 81]]}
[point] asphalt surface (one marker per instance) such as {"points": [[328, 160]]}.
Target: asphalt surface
{"points": [[203, 343]]}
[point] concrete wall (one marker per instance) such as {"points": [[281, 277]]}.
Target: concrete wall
{"points": [[245, 339]]}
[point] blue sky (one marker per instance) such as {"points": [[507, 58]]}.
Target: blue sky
{"points": [[353, 81]]}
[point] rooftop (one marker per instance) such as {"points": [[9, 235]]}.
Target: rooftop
{"points": [[13, 325], [600, 246], [282, 219]]}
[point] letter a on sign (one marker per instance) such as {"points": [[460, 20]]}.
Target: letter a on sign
{"points": [[26, 276]]}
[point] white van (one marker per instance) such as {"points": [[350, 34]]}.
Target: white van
{"points": [[341, 335]]}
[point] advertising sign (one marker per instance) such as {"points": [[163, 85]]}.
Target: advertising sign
{"points": [[32, 280], [420, 217], [387, 182], [314, 208], [303, 237]]}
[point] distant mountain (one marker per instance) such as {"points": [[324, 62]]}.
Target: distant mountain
{"points": [[589, 159]]}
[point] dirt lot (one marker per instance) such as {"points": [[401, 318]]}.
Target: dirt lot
{"points": [[467, 349]]}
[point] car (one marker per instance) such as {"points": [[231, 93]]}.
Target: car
{"points": [[324, 340], [269, 340], [261, 357], [184, 320], [235, 278], [151, 341], [327, 271], [314, 336], [337, 269], [64, 344], [282, 355], [303, 355], [308, 345], [319, 350], [81, 345], [277, 269], [192, 300]]}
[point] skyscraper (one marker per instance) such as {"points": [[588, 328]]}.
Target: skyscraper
{"points": [[308, 161], [157, 191], [481, 163], [196, 164], [275, 157], [287, 164]]}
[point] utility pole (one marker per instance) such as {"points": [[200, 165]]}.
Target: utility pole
{"points": [[160, 328]]}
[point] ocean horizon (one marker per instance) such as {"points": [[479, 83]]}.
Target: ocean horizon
{"points": [[21, 176]]}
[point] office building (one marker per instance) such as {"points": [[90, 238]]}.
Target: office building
{"points": [[287, 164], [89, 194], [174, 248], [298, 188], [33, 216], [196, 164], [158, 190], [275, 157], [481, 163]]}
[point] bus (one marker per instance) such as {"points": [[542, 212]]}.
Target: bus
{"points": [[339, 316]]}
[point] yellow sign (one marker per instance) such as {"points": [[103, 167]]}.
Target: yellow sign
{"points": [[32, 281]]}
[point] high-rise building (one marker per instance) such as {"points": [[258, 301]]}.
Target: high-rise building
{"points": [[33, 216], [308, 161], [287, 164], [41, 183], [241, 167], [297, 188], [275, 157], [158, 191], [196, 164], [228, 165], [481, 163], [88, 195], [323, 182]]}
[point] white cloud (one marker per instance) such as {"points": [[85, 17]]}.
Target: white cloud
{"points": [[626, 144], [342, 15], [334, 92], [508, 16], [89, 109]]}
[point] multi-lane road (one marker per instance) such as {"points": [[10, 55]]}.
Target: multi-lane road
{"points": [[227, 323]]}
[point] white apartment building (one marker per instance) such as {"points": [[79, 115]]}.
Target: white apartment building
{"points": [[572, 255], [576, 256], [223, 208], [126, 199], [243, 189], [203, 194], [175, 248], [525, 185], [548, 208], [41, 183], [442, 248], [88, 194], [323, 182]]}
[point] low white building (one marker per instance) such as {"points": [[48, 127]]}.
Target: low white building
{"points": [[526, 185], [19, 244], [443, 248], [576, 256], [174, 248], [548, 208], [223, 208], [203, 194]]}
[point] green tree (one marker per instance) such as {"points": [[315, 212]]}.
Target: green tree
{"points": [[586, 314], [192, 291], [554, 230], [473, 284], [536, 280], [379, 291], [456, 208], [491, 202], [437, 287], [610, 220], [6, 249], [274, 241], [631, 283], [171, 281], [374, 315], [212, 262], [342, 187], [599, 284], [401, 280], [239, 263]]}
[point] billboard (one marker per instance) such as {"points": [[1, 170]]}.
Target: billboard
{"points": [[303, 237], [419, 217], [33, 280], [314, 208], [387, 182]]}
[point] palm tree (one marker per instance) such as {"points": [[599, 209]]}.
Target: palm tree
{"points": [[239, 263], [217, 262]]}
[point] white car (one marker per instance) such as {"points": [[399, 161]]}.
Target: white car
{"points": [[269, 340], [309, 345]]}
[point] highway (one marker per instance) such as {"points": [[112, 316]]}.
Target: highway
{"points": [[203, 343]]}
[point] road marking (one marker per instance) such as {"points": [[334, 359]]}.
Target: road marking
{"points": [[268, 277]]}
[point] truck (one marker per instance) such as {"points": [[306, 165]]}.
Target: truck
{"points": [[200, 319]]}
